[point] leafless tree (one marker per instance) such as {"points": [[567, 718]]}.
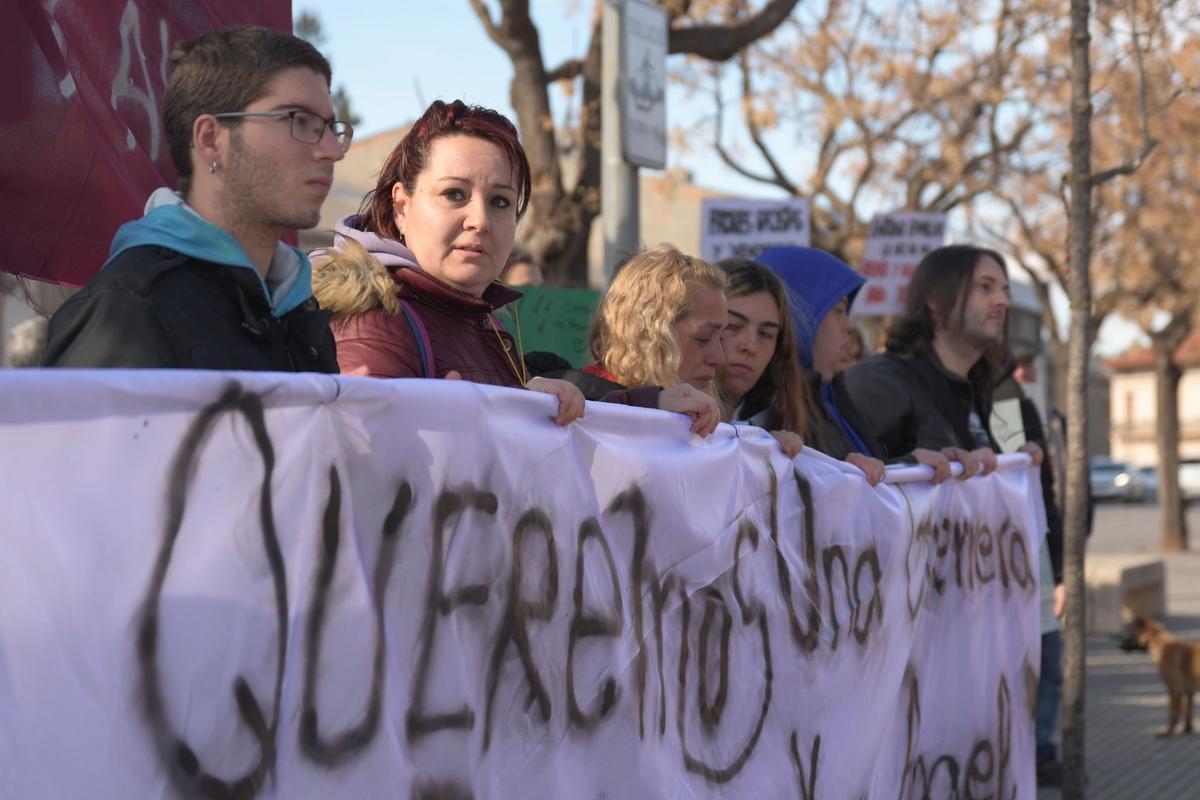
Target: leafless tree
{"points": [[563, 206], [920, 108]]}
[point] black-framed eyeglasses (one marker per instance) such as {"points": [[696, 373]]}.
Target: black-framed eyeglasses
{"points": [[306, 126]]}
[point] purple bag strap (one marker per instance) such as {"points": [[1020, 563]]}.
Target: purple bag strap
{"points": [[424, 346]]}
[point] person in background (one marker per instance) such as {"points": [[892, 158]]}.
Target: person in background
{"points": [[411, 279], [761, 382], [1009, 392], [522, 270], [27, 343], [932, 389], [655, 339], [202, 281], [858, 345]]}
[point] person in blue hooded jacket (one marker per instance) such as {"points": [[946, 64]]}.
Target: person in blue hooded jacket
{"points": [[202, 281], [825, 288]]}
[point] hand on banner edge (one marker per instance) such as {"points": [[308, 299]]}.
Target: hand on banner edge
{"points": [[790, 442], [935, 460], [571, 405], [683, 398], [1034, 451]]}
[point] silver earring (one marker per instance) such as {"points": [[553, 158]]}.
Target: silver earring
{"points": [[212, 168]]}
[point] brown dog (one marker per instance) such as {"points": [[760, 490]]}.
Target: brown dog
{"points": [[1178, 663]]}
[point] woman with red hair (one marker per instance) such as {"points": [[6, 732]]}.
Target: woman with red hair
{"points": [[411, 279]]}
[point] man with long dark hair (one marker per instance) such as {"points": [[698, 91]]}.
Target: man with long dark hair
{"points": [[932, 389]]}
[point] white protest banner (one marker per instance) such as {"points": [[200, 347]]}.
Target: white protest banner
{"points": [[733, 227], [312, 586], [895, 245]]}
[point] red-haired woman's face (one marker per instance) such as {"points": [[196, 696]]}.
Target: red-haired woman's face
{"points": [[461, 219]]}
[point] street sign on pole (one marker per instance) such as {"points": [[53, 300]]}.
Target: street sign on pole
{"points": [[618, 178], [644, 84]]}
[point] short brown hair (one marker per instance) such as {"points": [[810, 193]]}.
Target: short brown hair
{"points": [[411, 156], [226, 70]]}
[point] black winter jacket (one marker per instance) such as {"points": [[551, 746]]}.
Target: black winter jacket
{"points": [[827, 434], [153, 307], [911, 401]]}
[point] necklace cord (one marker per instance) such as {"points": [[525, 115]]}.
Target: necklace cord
{"points": [[520, 373]]}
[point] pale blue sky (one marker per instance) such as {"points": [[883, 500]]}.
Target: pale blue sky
{"points": [[397, 56]]}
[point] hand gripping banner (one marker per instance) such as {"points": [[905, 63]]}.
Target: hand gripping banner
{"points": [[244, 585]]}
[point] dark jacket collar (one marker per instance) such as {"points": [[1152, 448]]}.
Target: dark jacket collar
{"points": [[979, 378], [972, 392]]}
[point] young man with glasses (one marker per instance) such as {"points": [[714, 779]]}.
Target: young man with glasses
{"points": [[202, 281]]}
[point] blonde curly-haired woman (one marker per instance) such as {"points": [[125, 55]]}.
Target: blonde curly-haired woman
{"points": [[660, 322], [659, 325]]}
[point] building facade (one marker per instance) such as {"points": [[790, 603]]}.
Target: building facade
{"points": [[1133, 408]]}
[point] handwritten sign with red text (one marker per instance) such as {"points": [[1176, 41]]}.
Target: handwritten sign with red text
{"points": [[895, 245]]}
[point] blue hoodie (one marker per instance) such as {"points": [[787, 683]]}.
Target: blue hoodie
{"points": [[817, 281], [170, 223]]}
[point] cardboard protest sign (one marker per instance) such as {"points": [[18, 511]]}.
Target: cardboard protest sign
{"points": [[317, 586], [895, 245], [739, 228]]}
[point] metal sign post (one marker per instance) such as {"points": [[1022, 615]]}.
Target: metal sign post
{"points": [[633, 117]]}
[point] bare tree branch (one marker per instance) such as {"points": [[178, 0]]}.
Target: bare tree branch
{"points": [[722, 42], [489, 25], [756, 135], [570, 69], [1148, 142], [727, 157]]}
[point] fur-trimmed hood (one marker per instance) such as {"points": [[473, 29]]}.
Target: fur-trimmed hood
{"points": [[355, 275], [363, 272]]}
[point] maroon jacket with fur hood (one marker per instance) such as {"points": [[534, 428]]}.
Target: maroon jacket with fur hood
{"points": [[361, 280]]}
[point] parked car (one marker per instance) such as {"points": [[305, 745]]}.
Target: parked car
{"points": [[1149, 483], [1115, 480]]}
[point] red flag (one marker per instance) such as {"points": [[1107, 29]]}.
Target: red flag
{"points": [[82, 143]]}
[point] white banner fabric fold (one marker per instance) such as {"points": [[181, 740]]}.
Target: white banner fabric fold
{"points": [[246, 585]]}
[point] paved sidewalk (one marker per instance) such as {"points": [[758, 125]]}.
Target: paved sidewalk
{"points": [[1126, 700]]}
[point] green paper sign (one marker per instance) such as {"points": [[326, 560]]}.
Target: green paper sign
{"points": [[555, 320]]}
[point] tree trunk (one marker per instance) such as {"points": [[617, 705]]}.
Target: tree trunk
{"points": [[1060, 358], [1079, 292], [1166, 387], [581, 206]]}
